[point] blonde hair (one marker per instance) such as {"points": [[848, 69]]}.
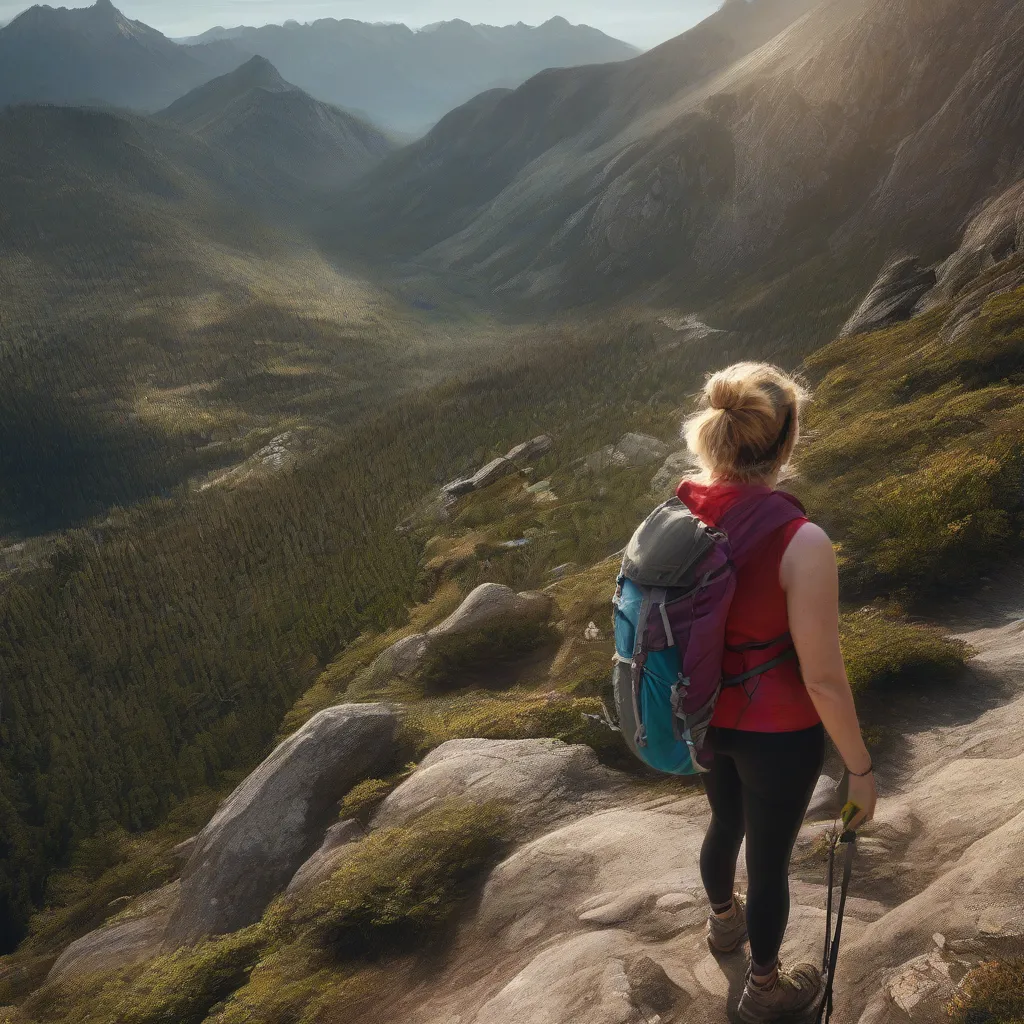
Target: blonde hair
{"points": [[748, 423]]}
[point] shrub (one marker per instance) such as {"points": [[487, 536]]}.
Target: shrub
{"points": [[880, 649], [364, 798], [401, 884], [181, 987], [512, 716], [455, 661], [992, 993], [938, 522], [290, 987]]}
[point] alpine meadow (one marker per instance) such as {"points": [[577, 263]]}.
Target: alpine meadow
{"points": [[339, 364]]}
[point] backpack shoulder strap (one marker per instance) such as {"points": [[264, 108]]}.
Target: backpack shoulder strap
{"points": [[750, 522]]}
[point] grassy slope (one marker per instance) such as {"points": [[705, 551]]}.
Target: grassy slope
{"points": [[917, 458]]}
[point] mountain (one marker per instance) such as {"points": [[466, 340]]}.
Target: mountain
{"points": [[407, 80], [775, 134], [293, 140], [95, 55]]}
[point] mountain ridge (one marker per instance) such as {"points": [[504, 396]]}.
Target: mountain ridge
{"points": [[765, 131], [430, 71]]}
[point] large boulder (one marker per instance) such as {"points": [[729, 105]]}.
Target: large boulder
{"points": [[490, 604], [631, 450], [492, 473], [337, 845], [673, 469], [276, 818], [898, 289], [543, 780]]}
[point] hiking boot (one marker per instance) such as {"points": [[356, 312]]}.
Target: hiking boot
{"points": [[793, 998], [726, 934]]}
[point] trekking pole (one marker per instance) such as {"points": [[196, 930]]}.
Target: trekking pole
{"points": [[847, 838]]}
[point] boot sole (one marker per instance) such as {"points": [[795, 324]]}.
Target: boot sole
{"points": [[805, 1016]]}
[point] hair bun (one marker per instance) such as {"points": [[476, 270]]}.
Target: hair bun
{"points": [[727, 394]]}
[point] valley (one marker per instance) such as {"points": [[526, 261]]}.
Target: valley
{"points": [[251, 335]]}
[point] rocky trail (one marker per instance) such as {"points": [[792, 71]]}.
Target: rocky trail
{"points": [[596, 914], [601, 920]]}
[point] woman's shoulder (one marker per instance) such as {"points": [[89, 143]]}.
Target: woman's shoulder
{"points": [[809, 551]]}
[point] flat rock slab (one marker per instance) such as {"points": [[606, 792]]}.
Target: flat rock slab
{"points": [[544, 781], [276, 818]]}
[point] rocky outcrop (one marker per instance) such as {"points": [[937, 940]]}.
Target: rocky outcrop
{"points": [[528, 451], [489, 604], [631, 450], [333, 850], [893, 297], [996, 233], [500, 467], [987, 263], [492, 603], [272, 822], [673, 469], [544, 781], [597, 976]]}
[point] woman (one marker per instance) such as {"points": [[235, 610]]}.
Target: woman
{"points": [[768, 735]]}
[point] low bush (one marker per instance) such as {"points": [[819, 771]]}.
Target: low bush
{"points": [[880, 649], [400, 885], [992, 993], [290, 986], [364, 798], [458, 660], [517, 715], [181, 987]]}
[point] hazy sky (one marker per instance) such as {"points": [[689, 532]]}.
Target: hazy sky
{"points": [[643, 22]]}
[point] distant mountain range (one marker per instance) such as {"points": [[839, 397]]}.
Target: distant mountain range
{"points": [[775, 135], [408, 80], [398, 78]]}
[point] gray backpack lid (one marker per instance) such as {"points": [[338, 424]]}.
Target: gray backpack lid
{"points": [[667, 547]]}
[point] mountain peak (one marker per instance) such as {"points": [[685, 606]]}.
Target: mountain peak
{"points": [[259, 73]]}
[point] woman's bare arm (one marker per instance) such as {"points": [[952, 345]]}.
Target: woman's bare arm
{"points": [[810, 578]]}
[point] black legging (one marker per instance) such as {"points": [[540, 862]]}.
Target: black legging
{"points": [[759, 786]]}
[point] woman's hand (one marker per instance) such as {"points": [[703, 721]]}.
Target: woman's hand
{"points": [[862, 792]]}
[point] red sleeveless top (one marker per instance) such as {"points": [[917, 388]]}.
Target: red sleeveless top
{"points": [[777, 701]]}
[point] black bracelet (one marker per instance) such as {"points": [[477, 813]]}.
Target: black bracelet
{"points": [[861, 775]]}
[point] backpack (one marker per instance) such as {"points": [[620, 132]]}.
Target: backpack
{"points": [[673, 595]]}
